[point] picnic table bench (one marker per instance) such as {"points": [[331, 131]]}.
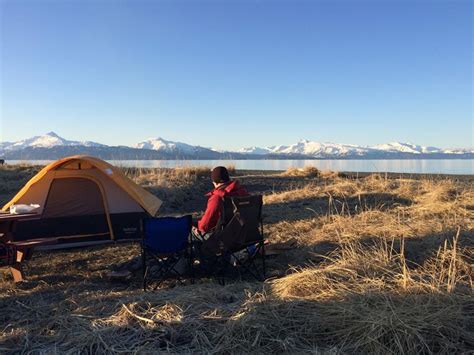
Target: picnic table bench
{"points": [[24, 249]]}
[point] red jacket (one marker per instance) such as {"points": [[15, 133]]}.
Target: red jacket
{"points": [[214, 204]]}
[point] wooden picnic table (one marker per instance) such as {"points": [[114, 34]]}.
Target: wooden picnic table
{"points": [[24, 250], [6, 215], [8, 220]]}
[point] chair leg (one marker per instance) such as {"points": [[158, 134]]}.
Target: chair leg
{"points": [[222, 270], [221, 278], [144, 268], [250, 266], [191, 262], [144, 279], [166, 268], [158, 284]]}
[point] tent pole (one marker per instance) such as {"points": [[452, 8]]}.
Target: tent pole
{"points": [[107, 213], [106, 205]]}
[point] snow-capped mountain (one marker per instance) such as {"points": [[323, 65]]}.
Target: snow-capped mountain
{"points": [[406, 148], [254, 150], [459, 151], [396, 147], [47, 140], [164, 145], [336, 150], [52, 146], [317, 149], [309, 148]]}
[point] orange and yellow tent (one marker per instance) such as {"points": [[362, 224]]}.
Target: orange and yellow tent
{"points": [[83, 196]]}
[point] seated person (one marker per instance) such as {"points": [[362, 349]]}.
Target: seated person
{"points": [[223, 186]]}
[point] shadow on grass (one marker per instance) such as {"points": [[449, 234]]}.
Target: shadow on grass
{"points": [[417, 250], [195, 319], [373, 322], [68, 310], [190, 197], [307, 208]]}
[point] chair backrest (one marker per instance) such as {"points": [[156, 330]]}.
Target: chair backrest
{"points": [[240, 224], [166, 234]]}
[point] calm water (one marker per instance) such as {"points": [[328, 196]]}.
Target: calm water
{"points": [[428, 166]]}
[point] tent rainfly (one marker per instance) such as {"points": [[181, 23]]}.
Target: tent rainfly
{"points": [[83, 198]]}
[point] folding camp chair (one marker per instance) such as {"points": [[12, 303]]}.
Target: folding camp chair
{"points": [[165, 241], [238, 240]]}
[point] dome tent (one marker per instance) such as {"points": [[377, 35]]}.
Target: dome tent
{"points": [[83, 198]]}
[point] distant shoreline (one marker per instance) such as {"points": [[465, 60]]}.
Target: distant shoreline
{"points": [[239, 172], [256, 157], [468, 156]]}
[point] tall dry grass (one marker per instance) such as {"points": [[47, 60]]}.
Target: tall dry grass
{"points": [[375, 206], [307, 171], [382, 265], [177, 188], [366, 300], [169, 177], [360, 300], [12, 178]]}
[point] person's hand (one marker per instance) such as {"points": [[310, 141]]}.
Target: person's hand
{"points": [[195, 230]]}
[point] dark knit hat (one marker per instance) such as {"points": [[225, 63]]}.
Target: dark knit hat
{"points": [[220, 174]]}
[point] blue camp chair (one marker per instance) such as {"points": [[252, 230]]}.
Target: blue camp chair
{"points": [[165, 241]]}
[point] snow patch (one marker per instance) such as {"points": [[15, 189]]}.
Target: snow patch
{"points": [[48, 140]]}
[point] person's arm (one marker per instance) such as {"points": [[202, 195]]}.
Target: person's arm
{"points": [[212, 214]]}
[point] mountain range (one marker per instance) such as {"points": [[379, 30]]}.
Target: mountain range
{"points": [[52, 146]]}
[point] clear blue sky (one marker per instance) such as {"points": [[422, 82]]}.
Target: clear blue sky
{"points": [[229, 74]]}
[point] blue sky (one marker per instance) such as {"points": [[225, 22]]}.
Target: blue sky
{"points": [[228, 74]]}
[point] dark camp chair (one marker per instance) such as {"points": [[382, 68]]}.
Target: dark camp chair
{"points": [[239, 232], [165, 241]]}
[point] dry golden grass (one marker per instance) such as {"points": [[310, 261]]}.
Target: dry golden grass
{"points": [[166, 177], [382, 265], [366, 300], [12, 177], [307, 171], [158, 177]]}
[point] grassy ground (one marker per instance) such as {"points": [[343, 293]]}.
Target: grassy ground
{"points": [[381, 265]]}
